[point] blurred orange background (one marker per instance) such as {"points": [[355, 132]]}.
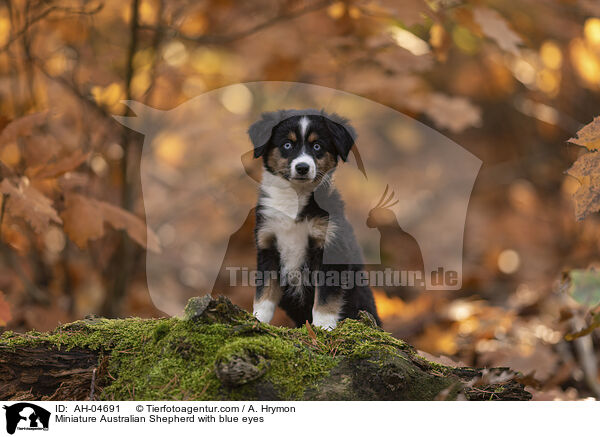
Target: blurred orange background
{"points": [[510, 81]]}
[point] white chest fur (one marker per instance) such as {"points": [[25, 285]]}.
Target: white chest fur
{"points": [[281, 205]]}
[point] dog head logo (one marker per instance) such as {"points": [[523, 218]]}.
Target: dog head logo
{"points": [[200, 178], [26, 416]]}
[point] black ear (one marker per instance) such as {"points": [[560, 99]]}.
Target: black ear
{"points": [[260, 132], [342, 139]]}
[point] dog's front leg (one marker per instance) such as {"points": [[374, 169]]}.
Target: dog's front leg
{"points": [[327, 307], [328, 301], [268, 290]]}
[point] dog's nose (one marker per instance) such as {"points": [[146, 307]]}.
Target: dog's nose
{"points": [[302, 168]]}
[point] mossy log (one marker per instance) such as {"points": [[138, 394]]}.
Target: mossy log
{"points": [[217, 351]]}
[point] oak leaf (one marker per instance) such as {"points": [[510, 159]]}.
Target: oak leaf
{"points": [[85, 218], [495, 27], [587, 171], [453, 113], [25, 202], [82, 222], [59, 166], [589, 135]]}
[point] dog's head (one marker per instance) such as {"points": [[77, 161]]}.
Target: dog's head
{"points": [[301, 146]]}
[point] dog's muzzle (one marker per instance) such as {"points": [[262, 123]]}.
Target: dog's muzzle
{"points": [[303, 168]]}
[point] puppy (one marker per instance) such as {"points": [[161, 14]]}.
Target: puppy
{"points": [[300, 219]]}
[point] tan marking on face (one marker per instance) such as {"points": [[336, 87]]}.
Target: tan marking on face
{"points": [[313, 137], [277, 163], [292, 136], [326, 163]]}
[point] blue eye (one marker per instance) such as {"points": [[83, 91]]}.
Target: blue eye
{"points": [[287, 146], [316, 147]]}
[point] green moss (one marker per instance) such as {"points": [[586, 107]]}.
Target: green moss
{"points": [[176, 358], [292, 367]]}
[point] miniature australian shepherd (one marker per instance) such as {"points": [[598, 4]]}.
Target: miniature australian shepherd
{"points": [[300, 222]]}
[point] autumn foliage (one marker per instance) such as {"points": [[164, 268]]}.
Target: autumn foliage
{"points": [[517, 83]]}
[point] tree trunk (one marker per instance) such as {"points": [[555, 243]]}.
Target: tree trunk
{"points": [[217, 351]]}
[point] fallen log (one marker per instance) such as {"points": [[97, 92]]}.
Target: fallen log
{"points": [[217, 351]]}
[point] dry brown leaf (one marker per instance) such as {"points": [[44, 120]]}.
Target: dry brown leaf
{"points": [[492, 376], [495, 27], [22, 126], [26, 202], [587, 171], [452, 113], [134, 226], [311, 333], [589, 135], [59, 166], [441, 359], [539, 361], [84, 220]]}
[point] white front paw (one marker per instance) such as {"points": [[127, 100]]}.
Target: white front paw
{"points": [[264, 310], [327, 321]]}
